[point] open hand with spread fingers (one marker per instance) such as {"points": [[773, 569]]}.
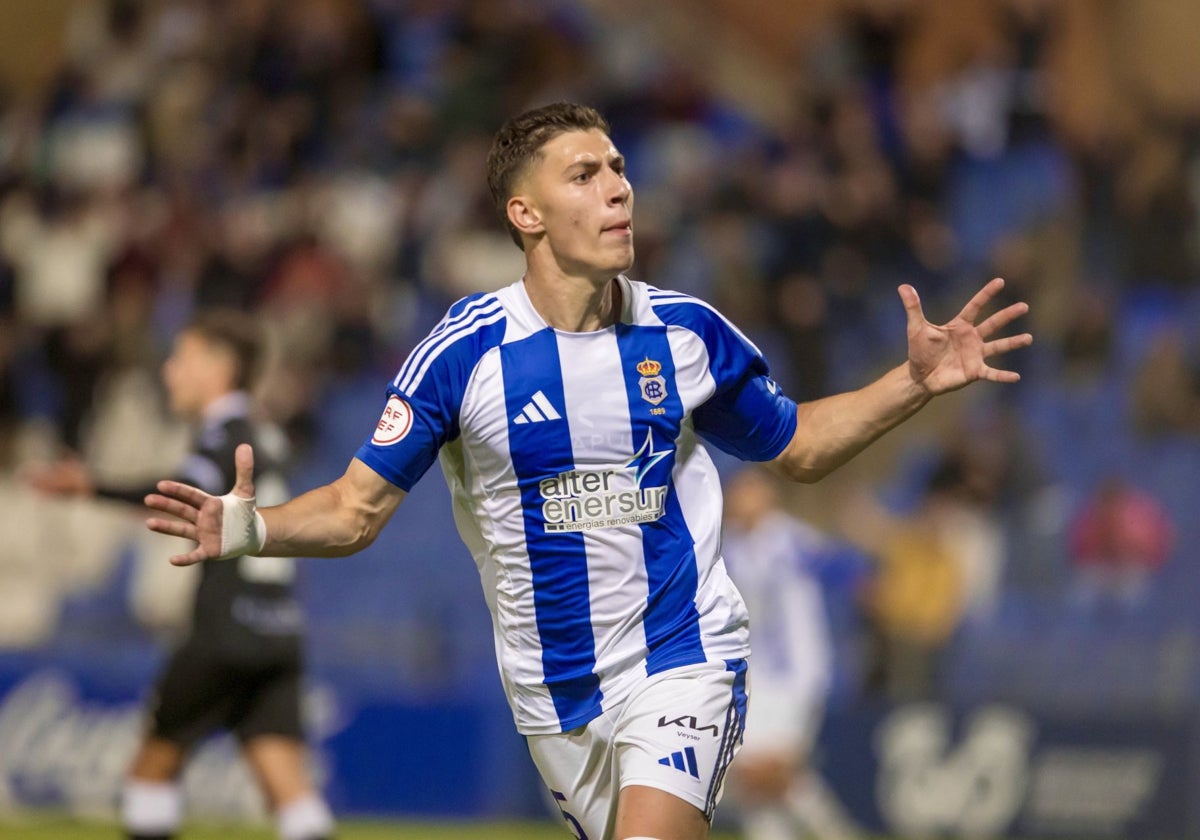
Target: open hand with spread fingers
{"points": [[221, 526], [947, 357]]}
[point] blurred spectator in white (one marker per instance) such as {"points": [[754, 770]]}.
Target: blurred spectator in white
{"points": [[1118, 542], [466, 252], [60, 245], [774, 559]]}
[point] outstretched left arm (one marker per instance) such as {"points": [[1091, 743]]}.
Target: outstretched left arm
{"points": [[831, 431]]}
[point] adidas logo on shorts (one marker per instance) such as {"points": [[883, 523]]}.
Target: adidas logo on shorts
{"points": [[684, 760]]}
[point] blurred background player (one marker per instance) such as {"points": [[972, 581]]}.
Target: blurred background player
{"points": [[240, 667], [772, 558]]}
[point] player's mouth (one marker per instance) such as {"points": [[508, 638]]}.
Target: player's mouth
{"points": [[623, 228]]}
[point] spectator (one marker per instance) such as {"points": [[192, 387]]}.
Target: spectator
{"points": [[915, 601], [1118, 542], [1087, 340], [1166, 388]]}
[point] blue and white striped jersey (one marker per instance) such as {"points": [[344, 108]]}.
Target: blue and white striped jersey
{"points": [[581, 486]]}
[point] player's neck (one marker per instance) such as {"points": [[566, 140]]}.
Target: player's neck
{"points": [[574, 304]]}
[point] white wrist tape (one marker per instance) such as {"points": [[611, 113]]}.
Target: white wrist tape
{"points": [[243, 530]]}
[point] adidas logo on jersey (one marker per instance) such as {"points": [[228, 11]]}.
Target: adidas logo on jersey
{"points": [[684, 760], [537, 410]]}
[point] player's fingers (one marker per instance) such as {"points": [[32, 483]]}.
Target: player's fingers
{"points": [[1003, 345], [172, 527], [912, 307], [997, 375], [976, 304], [194, 556], [185, 493], [243, 460], [1002, 319], [174, 507]]}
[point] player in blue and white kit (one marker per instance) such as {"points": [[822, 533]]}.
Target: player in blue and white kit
{"points": [[570, 412], [776, 561]]}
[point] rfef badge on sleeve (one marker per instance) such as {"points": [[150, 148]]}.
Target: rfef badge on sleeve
{"points": [[394, 424]]}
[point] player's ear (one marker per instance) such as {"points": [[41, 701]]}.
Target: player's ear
{"points": [[523, 214]]}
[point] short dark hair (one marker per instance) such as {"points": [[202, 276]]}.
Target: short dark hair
{"points": [[519, 140], [236, 331]]}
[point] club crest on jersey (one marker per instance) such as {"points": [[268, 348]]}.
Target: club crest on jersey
{"points": [[654, 387], [395, 423]]}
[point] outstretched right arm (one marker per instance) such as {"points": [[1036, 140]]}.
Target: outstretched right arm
{"points": [[334, 520]]}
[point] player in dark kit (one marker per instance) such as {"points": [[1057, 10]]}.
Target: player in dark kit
{"points": [[240, 668]]}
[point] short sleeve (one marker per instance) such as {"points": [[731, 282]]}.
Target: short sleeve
{"points": [[752, 420], [422, 404], [410, 432], [748, 415]]}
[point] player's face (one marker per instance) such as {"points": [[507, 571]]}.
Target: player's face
{"points": [[584, 203], [196, 373]]}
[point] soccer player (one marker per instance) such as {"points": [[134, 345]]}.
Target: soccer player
{"points": [[570, 412], [240, 667], [774, 560]]}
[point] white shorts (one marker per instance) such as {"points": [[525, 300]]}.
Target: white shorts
{"points": [[677, 733]]}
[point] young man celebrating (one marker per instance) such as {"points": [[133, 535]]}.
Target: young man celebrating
{"points": [[568, 411], [240, 668]]}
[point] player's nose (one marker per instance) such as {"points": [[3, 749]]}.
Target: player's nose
{"points": [[619, 189]]}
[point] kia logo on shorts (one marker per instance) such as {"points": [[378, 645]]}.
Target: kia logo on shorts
{"points": [[689, 722]]}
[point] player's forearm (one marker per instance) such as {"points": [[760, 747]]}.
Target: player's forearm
{"points": [[315, 524], [330, 521], [831, 431]]}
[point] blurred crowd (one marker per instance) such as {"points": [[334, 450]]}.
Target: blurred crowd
{"points": [[320, 163]]}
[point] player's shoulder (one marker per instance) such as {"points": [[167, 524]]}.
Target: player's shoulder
{"points": [[680, 309], [471, 326], [657, 298], [468, 306], [676, 307], [467, 317]]}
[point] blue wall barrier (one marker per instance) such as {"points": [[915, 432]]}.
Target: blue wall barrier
{"points": [[69, 726], [999, 770], [68, 729]]}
